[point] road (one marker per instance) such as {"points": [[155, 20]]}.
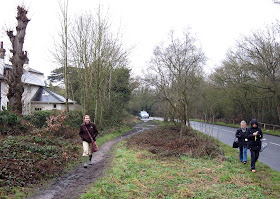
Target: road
{"points": [[270, 156]]}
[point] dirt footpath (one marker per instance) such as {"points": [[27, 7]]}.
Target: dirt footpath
{"points": [[78, 181]]}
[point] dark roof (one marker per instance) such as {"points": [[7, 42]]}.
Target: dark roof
{"points": [[44, 95]]}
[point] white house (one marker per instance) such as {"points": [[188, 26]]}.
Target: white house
{"points": [[36, 95]]}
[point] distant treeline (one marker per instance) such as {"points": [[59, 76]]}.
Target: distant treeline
{"points": [[246, 85]]}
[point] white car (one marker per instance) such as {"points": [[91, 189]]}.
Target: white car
{"points": [[143, 114]]}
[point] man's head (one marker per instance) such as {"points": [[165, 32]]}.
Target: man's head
{"points": [[87, 119]]}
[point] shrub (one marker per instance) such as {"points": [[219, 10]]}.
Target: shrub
{"points": [[10, 118], [38, 118], [58, 125], [10, 123], [26, 160], [75, 119]]}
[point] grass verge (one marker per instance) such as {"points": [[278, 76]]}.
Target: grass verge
{"points": [[107, 137], [266, 131], [140, 173]]}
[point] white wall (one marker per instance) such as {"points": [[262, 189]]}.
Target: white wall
{"points": [[2, 65], [42, 106], [29, 92], [63, 107], [51, 106], [4, 92]]}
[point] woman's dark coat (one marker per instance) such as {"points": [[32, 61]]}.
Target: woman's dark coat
{"points": [[241, 138], [92, 130], [255, 141]]}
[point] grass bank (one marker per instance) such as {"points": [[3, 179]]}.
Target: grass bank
{"points": [[140, 172], [266, 131]]}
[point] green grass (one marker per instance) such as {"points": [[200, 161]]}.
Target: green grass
{"points": [[101, 140], [138, 173], [270, 132], [266, 131]]}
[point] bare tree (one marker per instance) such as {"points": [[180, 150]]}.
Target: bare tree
{"points": [[175, 72], [96, 52], [260, 53], [18, 58], [248, 82], [61, 47]]}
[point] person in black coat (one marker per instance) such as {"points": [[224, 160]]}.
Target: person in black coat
{"points": [[254, 136], [241, 134]]}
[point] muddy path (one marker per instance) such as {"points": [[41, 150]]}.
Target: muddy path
{"points": [[75, 183]]}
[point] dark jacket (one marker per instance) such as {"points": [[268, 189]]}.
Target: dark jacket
{"points": [[91, 129], [255, 141], [242, 143]]}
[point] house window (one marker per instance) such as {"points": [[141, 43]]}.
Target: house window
{"points": [[38, 109], [54, 106]]}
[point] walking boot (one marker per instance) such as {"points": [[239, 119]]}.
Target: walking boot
{"points": [[85, 161], [90, 157]]}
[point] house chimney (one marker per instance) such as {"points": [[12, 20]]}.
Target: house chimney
{"points": [[27, 60], [26, 63], [2, 51]]}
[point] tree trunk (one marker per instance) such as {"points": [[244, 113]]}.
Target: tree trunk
{"points": [[66, 54], [16, 88], [277, 104], [187, 117], [166, 111], [109, 94]]}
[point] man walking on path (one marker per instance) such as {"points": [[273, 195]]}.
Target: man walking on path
{"points": [[88, 131]]}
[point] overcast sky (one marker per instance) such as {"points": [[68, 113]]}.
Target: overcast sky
{"points": [[217, 24]]}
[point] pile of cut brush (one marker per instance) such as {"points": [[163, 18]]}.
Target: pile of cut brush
{"points": [[171, 140]]}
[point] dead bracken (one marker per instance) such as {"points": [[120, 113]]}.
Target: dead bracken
{"points": [[167, 141]]}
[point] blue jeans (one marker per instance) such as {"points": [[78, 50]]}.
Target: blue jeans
{"points": [[243, 154]]}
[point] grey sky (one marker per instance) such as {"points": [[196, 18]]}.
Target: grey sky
{"points": [[217, 24]]}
